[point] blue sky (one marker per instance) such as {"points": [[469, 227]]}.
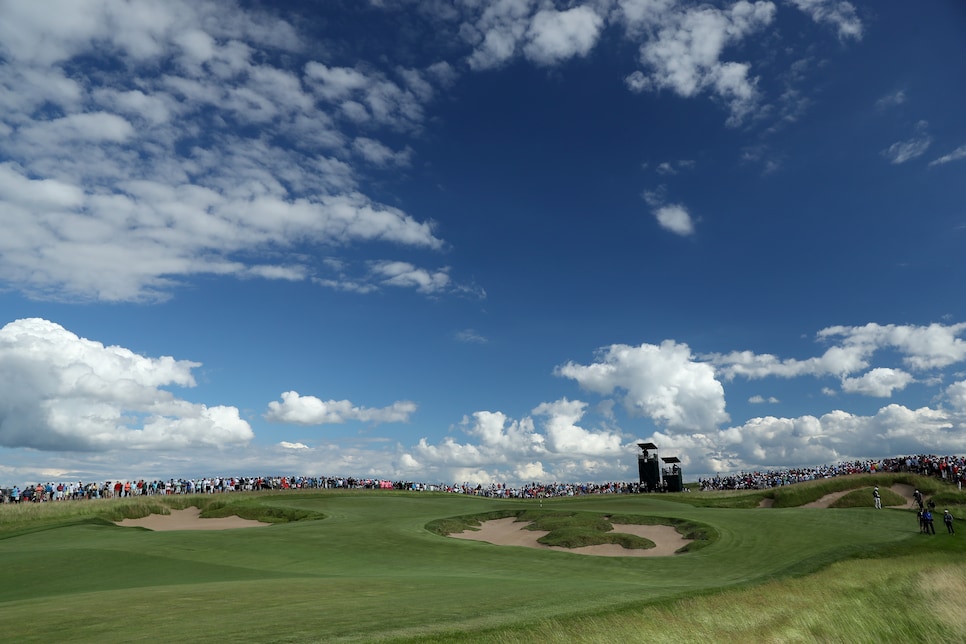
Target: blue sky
{"points": [[476, 241]]}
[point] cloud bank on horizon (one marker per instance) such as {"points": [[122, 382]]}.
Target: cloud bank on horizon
{"points": [[353, 167], [65, 393]]}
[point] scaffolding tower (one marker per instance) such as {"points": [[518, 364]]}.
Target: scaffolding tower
{"points": [[653, 477]]}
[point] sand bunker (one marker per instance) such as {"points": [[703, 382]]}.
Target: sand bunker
{"points": [[189, 519], [510, 532]]}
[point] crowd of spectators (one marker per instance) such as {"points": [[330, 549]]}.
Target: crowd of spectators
{"points": [[950, 468], [70, 490]]}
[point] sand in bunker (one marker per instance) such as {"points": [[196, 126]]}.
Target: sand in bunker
{"points": [[510, 532], [189, 519]]}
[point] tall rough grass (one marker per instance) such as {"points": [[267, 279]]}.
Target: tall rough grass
{"points": [[852, 601]]}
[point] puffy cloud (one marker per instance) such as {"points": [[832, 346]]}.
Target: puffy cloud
{"points": [[372, 97], [835, 361], [532, 472], [497, 32], [956, 394], [640, 16], [91, 127], [773, 442], [671, 217], [309, 410], [230, 151], [554, 36], [901, 430], [63, 392], [405, 274], [662, 382], [921, 348], [378, 154], [779, 441], [838, 13], [378, 274], [676, 219], [517, 450], [684, 54], [496, 431], [160, 231], [880, 382], [336, 83], [758, 400], [506, 28], [565, 436]]}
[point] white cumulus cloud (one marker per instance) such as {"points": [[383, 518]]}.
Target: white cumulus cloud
{"points": [[501, 449], [675, 218], [663, 382], [63, 393], [880, 382], [685, 52], [310, 410], [554, 36]]}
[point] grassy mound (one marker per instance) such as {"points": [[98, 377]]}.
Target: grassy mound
{"points": [[862, 498], [257, 511]]}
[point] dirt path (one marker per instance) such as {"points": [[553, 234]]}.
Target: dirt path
{"points": [[903, 490], [189, 519], [827, 500], [510, 532]]}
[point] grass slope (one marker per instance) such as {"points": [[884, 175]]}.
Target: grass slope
{"points": [[370, 570]]}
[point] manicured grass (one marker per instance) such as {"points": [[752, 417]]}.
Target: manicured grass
{"points": [[371, 570]]}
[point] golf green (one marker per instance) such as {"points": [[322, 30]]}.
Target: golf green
{"points": [[370, 569]]}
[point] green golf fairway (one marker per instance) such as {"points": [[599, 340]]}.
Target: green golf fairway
{"points": [[370, 569]]}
